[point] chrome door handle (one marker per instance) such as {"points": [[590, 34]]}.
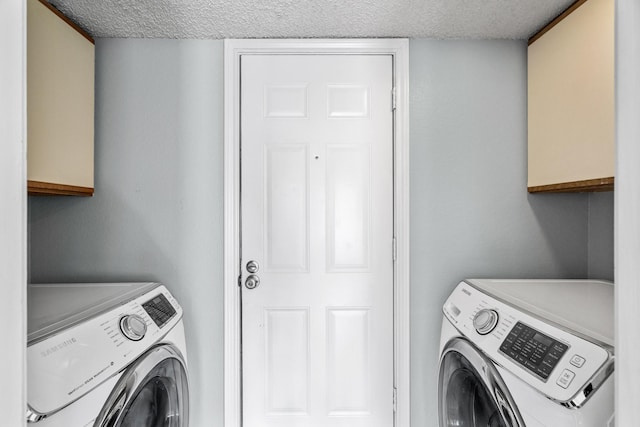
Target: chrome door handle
{"points": [[252, 281]]}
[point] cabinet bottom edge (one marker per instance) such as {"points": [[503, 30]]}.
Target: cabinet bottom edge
{"points": [[39, 188], [589, 185]]}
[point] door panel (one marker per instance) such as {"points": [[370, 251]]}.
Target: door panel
{"points": [[348, 361], [287, 381], [287, 207], [348, 182], [317, 217]]}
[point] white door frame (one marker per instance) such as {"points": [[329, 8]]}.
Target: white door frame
{"points": [[13, 212], [627, 212], [233, 50]]}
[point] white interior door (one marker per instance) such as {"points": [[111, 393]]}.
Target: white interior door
{"points": [[317, 220]]}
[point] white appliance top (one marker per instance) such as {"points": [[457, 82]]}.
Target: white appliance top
{"points": [[584, 306], [80, 335], [53, 307]]}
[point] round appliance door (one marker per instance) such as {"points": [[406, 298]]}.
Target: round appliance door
{"points": [[153, 392], [471, 392]]}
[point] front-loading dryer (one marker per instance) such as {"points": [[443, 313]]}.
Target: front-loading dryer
{"points": [[108, 354], [527, 353]]}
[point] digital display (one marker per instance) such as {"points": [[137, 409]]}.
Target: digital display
{"points": [[546, 341], [159, 309], [532, 349]]}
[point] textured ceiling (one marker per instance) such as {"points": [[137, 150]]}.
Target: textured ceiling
{"points": [[217, 19]]}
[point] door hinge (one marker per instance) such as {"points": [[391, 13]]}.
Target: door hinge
{"points": [[394, 248], [240, 280], [395, 400], [393, 99]]}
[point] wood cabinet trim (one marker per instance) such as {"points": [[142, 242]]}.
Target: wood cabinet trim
{"points": [[75, 26], [599, 184], [39, 188], [555, 22]]}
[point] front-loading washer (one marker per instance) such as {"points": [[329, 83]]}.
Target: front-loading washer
{"points": [[107, 354], [534, 353]]}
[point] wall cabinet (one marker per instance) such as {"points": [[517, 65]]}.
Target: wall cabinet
{"points": [[571, 101], [60, 103]]}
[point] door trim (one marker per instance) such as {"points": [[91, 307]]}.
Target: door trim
{"points": [[233, 51], [13, 213]]}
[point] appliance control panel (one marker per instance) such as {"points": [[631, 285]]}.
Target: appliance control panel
{"points": [[534, 350], [553, 360]]}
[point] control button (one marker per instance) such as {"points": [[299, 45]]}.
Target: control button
{"points": [[565, 378], [551, 359], [577, 361], [556, 354], [547, 365], [536, 359], [545, 368], [543, 373], [559, 347], [133, 327], [485, 321]]}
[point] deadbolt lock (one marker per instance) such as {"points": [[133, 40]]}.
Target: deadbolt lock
{"points": [[253, 266]]}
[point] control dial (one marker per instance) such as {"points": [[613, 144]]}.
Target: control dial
{"points": [[485, 321], [133, 327]]}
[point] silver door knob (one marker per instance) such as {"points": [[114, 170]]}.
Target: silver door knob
{"points": [[253, 266], [252, 282]]}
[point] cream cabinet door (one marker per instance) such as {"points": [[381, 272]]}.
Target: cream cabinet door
{"points": [[571, 101], [60, 104]]}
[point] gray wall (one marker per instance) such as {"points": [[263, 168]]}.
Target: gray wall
{"points": [[600, 255], [157, 212], [471, 215]]}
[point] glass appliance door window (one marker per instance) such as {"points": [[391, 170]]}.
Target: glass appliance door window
{"points": [[471, 393], [152, 393]]}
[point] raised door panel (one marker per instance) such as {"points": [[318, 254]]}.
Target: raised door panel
{"points": [[287, 207], [349, 389], [287, 361], [348, 207]]}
